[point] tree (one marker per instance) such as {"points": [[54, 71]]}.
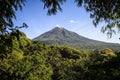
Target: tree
{"points": [[107, 11], [7, 13]]}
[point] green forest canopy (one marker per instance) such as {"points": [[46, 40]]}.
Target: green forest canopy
{"points": [[33, 60]]}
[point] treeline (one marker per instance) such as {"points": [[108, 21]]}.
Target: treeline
{"points": [[83, 45], [23, 59]]}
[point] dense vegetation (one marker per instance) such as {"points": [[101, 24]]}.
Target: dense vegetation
{"points": [[24, 59]]}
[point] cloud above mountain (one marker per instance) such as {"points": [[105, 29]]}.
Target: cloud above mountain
{"points": [[72, 21]]}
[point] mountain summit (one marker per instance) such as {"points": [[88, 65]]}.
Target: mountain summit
{"points": [[62, 36]]}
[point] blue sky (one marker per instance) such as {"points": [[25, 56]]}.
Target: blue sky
{"points": [[72, 18]]}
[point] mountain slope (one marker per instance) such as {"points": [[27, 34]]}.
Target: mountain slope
{"points": [[61, 36]]}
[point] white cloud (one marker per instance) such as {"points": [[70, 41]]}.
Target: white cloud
{"points": [[58, 25], [72, 21]]}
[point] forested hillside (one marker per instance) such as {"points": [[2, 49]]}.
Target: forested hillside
{"points": [[62, 36], [24, 59]]}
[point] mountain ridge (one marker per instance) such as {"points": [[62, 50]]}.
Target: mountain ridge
{"points": [[62, 36]]}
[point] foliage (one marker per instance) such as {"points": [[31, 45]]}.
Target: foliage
{"points": [[19, 64], [7, 13], [33, 60], [12, 41], [106, 11], [103, 67], [53, 5]]}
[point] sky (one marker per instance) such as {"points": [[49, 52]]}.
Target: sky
{"points": [[72, 18]]}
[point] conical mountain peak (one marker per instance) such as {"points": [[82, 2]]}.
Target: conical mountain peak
{"points": [[58, 26], [58, 33], [62, 36]]}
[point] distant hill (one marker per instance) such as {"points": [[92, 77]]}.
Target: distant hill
{"points": [[62, 36]]}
